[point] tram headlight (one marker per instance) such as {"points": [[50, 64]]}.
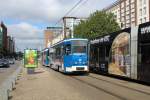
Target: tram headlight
{"points": [[84, 63], [76, 62]]}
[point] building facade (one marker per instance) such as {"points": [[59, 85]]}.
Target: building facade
{"points": [[130, 12], [3, 38], [47, 37], [50, 33], [10, 45], [143, 11], [68, 25], [7, 43]]}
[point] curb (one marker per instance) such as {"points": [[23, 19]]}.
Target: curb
{"points": [[9, 84]]}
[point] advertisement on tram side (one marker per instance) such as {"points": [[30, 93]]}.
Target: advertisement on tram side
{"points": [[30, 58], [111, 53], [119, 56]]}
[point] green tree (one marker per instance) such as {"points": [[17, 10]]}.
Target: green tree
{"points": [[99, 23]]}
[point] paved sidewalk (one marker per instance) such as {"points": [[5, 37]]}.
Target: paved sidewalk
{"points": [[43, 85], [47, 84], [31, 85]]}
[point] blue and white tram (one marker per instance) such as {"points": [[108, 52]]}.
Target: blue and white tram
{"points": [[70, 55], [45, 57]]}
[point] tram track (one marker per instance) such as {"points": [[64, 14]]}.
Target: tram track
{"points": [[119, 85], [93, 86], [117, 95], [103, 89]]}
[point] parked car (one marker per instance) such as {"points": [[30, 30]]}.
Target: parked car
{"points": [[4, 62], [11, 61]]}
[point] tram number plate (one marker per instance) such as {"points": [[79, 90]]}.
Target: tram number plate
{"points": [[80, 68]]}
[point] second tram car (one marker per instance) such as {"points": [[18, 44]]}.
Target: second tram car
{"points": [[125, 53], [45, 57]]}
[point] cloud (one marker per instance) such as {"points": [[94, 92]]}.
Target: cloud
{"points": [[30, 15], [26, 35], [48, 10], [23, 30]]}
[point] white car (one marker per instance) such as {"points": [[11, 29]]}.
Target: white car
{"points": [[11, 61]]}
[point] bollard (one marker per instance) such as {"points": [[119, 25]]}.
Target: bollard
{"points": [[9, 84]]}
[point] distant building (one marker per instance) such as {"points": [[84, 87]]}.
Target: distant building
{"points": [[47, 37], [130, 12], [3, 38], [50, 33], [10, 45], [68, 25], [143, 11]]}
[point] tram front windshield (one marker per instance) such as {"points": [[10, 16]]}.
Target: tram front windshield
{"points": [[79, 47]]}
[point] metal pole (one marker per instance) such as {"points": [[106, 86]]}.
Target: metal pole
{"points": [[72, 33], [64, 21]]}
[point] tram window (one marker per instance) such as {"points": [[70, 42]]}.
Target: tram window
{"points": [[67, 49], [145, 54], [58, 52], [79, 49], [102, 53], [47, 53]]}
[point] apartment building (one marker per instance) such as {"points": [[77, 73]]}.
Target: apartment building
{"points": [[143, 11], [3, 38], [130, 12], [50, 34]]}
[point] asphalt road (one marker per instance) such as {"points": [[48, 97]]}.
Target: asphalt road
{"points": [[47, 84], [6, 72]]}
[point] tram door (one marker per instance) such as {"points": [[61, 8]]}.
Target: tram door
{"points": [[94, 57], [144, 70], [103, 58]]}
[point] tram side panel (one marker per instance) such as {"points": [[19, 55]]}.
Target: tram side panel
{"points": [[56, 57], [143, 68], [124, 53], [134, 52], [119, 56], [111, 53], [45, 57]]}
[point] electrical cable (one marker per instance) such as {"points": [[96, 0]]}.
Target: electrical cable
{"points": [[70, 11]]}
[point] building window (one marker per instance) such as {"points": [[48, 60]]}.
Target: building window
{"points": [[127, 2], [132, 14], [140, 12], [141, 21], [133, 23], [144, 2], [115, 16], [127, 17], [132, 1], [132, 5], [122, 5], [132, 10], [127, 8], [144, 19], [140, 3], [133, 19], [144, 11]]}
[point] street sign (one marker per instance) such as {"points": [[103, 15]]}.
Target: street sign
{"points": [[30, 58]]}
